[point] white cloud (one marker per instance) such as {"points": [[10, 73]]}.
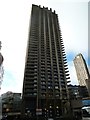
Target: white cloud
{"points": [[73, 76], [74, 27]]}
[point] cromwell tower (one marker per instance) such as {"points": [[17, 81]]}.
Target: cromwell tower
{"points": [[45, 91]]}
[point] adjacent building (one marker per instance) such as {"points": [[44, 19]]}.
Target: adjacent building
{"points": [[77, 92], [77, 95], [1, 78], [45, 91], [11, 103], [1, 66], [82, 71]]}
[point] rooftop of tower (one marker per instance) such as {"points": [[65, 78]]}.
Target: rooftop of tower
{"points": [[78, 56], [44, 8]]}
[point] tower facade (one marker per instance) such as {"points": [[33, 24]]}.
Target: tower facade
{"points": [[46, 75], [82, 71]]}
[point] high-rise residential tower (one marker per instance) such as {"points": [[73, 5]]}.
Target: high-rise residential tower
{"points": [[45, 91], [82, 71]]}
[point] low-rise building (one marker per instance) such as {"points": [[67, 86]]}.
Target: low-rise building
{"points": [[77, 92], [11, 103]]}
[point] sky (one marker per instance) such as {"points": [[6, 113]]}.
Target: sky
{"points": [[14, 29]]}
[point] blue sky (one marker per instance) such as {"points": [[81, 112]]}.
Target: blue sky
{"points": [[14, 26]]}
